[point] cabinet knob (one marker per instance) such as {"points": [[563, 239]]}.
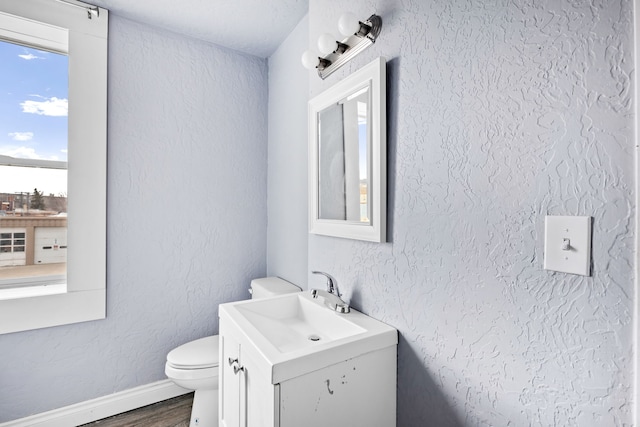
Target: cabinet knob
{"points": [[236, 366]]}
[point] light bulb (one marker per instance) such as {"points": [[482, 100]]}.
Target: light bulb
{"points": [[327, 44], [310, 60], [348, 24]]}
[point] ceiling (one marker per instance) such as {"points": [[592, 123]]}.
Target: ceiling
{"points": [[255, 27]]}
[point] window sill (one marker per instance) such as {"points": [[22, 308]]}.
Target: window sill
{"points": [[32, 291], [43, 311]]}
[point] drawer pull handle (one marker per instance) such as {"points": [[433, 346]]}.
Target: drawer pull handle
{"points": [[236, 366]]}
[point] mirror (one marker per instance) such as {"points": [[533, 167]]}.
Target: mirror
{"points": [[342, 139], [347, 157]]}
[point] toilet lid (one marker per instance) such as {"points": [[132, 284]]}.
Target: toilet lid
{"points": [[198, 354]]}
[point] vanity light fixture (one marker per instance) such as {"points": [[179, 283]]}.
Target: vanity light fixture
{"points": [[360, 35]]}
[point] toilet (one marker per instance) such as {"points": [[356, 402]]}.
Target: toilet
{"points": [[194, 365]]}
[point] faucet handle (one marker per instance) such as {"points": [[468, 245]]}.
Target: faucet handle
{"points": [[332, 283], [332, 301], [343, 308]]}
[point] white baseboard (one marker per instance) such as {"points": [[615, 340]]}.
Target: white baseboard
{"points": [[102, 407]]}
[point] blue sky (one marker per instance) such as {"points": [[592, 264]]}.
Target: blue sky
{"points": [[33, 111]]}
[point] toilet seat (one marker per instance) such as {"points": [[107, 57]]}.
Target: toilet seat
{"points": [[198, 354], [191, 374]]}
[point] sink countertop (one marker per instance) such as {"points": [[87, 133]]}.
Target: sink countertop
{"points": [[352, 334]]}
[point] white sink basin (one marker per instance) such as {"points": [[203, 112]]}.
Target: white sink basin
{"points": [[297, 334], [291, 322]]}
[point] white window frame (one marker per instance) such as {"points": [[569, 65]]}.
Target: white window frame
{"points": [[85, 296]]}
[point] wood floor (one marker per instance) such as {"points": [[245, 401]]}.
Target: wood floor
{"points": [[170, 413]]}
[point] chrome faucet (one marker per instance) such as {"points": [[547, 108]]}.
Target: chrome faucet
{"points": [[332, 295]]}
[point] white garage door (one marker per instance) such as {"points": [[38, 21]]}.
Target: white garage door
{"points": [[50, 245]]}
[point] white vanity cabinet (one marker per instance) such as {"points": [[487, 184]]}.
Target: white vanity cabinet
{"points": [[340, 383]]}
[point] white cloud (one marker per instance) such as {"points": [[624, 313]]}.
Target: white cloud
{"points": [[49, 107], [21, 136], [30, 56]]}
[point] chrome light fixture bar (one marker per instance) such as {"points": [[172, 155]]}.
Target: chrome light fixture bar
{"points": [[364, 34]]}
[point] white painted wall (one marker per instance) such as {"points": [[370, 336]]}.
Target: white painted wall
{"points": [[186, 219], [499, 113], [287, 170]]}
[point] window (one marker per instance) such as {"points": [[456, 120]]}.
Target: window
{"points": [[77, 33], [11, 242], [33, 155]]}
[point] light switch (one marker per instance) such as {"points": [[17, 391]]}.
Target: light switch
{"points": [[567, 244]]}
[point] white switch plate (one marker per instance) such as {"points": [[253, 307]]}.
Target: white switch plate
{"points": [[577, 258]]}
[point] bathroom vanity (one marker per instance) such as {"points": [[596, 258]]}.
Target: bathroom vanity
{"points": [[291, 359]]}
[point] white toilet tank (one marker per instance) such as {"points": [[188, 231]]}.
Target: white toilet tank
{"points": [[271, 286]]}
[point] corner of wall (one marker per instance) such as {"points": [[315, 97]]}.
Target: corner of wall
{"points": [[287, 159]]}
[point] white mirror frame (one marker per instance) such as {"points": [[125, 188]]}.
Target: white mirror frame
{"points": [[374, 76]]}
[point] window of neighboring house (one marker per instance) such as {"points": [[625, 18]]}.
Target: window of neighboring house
{"points": [[38, 187], [11, 242]]}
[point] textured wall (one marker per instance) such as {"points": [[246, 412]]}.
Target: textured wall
{"points": [[500, 112], [287, 166], [186, 219]]}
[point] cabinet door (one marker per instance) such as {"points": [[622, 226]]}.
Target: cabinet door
{"points": [[246, 395], [259, 397], [359, 392], [229, 390]]}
